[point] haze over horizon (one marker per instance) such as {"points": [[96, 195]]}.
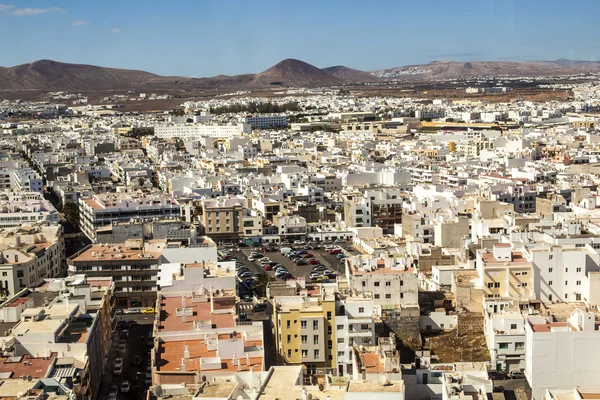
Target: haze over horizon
{"points": [[211, 38]]}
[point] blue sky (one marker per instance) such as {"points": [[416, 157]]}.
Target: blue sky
{"points": [[206, 38]]}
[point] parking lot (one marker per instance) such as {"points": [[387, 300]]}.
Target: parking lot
{"points": [[330, 261]]}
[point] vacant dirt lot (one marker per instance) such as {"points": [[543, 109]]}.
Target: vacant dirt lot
{"points": [[452, 348]]}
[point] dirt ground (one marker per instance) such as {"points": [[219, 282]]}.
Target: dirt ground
{"points": [[452, 348]]}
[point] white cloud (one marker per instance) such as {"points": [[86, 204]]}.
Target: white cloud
{"points": [[4, 7], [21, 12], [115, 30], [80, 22]]}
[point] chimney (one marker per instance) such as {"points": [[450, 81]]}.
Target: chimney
{"points": [[247, 359], [212, 306], [186, 352], [182, 301], [183, 364]]}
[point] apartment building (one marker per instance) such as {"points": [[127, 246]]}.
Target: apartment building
{"points": [[27, 180], [417, 228], [133, 266], [391, 282], [62, 330], [522, 197], [266, 121], [504, 273], [18, 208], [101, 210], [382, 208], [355, 319], [565, 273], [197, 331], [29, 254], [562, 355], [504, 329], [195, 131], [305, 331], [228, 219]]}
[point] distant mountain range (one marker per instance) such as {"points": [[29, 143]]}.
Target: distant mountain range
{"points": [[52, 75]]}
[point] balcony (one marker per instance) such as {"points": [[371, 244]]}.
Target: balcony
{"points": [[360, 334]]}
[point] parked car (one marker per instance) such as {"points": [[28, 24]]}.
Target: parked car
{"points": [[267, 267], [299, 242], [329, 272], [322, 279], [307, 255], [341, 256], [302, 252], [246, 274], [125, 386], [287, 276], [260, 307], [319, 268], [134, 311], [118, 311], [149, 311], [517, 375], [314, 275], [497, 375], [335, 251], [118, 366], [301, 262], [314, 261], [113, 393]]}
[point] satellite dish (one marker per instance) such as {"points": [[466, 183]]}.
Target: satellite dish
{"points": [[29, 378], [234, 333], [158, 391]]}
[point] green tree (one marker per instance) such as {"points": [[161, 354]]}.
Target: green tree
{"points": [[71, 211], [260, 285]]}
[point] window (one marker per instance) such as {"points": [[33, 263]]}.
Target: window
{"points": [[490, 285], [566, 269], [20, 273], [496, 284], [524, 284], [4, 274], [388, 296], [376, 295], [316, 339], [329, 330], [578, 270], [550, 270], [549, 283], [364, 284], [304, 339], [340, 341], [289, 338], [364, 327], [315, 325], [513, 326], [361, 310], [566, 283], [388, 284], [304, 353], [503, 346], [289, 323], [401, 283], [401, 295], [316, 353], [328, 315], [577, 296], [330, 344], [550, 257], [340, 327], [519, 345], [302, 324], [376, 284], [578, 283]]}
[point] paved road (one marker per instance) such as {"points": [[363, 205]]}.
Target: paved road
{"points": [[136, 346]]}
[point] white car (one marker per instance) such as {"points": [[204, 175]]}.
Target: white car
{"points": [[118, 367], [125, 386], [114, 392]]}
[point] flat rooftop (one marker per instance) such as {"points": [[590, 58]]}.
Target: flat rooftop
{"points": [[375, 386], [169, 321], [116, 252], [283, 385]]}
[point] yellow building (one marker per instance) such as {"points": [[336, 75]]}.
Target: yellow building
{"points": [[504, 273], [305, 331]]}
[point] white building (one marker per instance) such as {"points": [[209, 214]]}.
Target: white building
{"points": [[504, 329], [355, 326], [17, 208], [266, 121], [28, 180], [194, 131], [562, 355]]}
